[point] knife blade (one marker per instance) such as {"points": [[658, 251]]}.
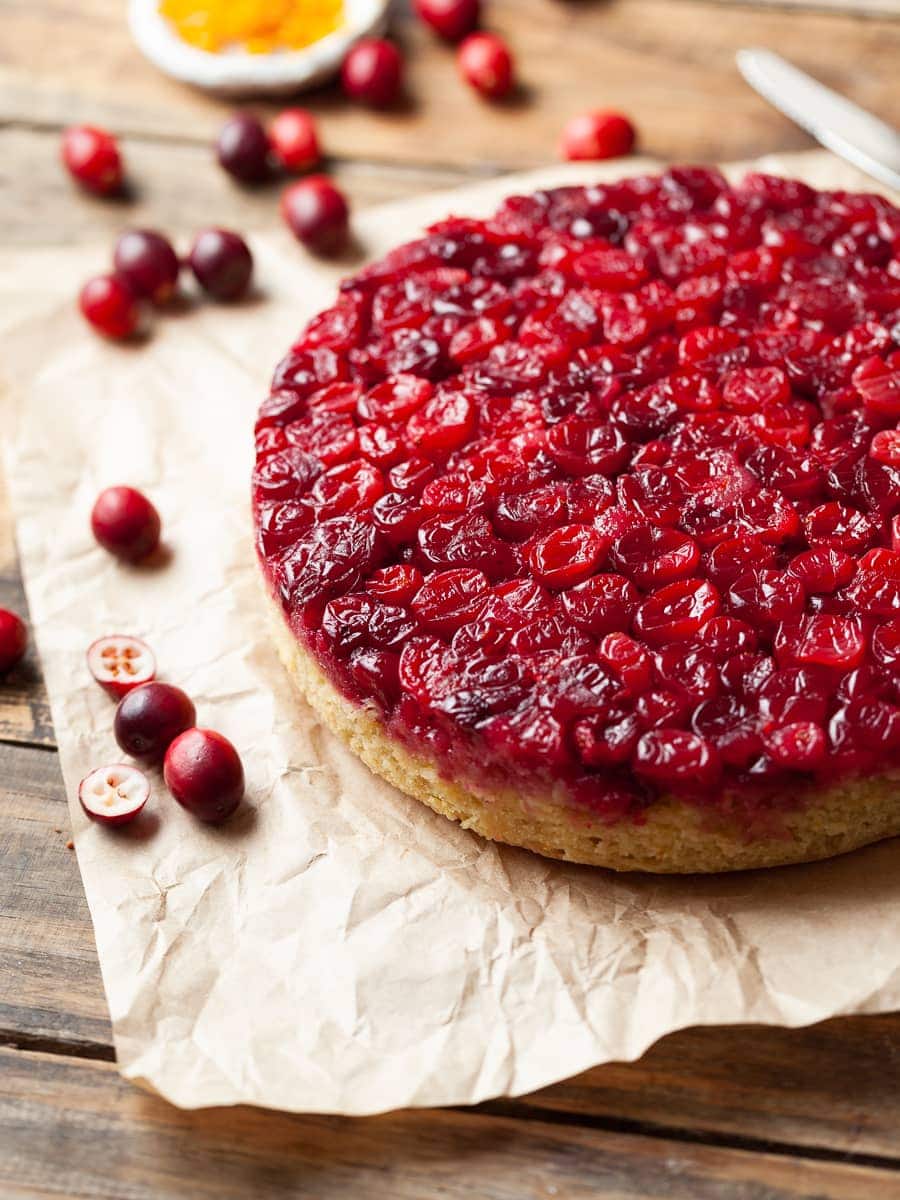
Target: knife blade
{"points": [[835, 122]]}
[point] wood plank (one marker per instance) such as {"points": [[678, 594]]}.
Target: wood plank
{"points": [[72, 1128], [674, 73]]}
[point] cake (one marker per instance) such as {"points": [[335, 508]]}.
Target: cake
{"points": [[581, 524]]}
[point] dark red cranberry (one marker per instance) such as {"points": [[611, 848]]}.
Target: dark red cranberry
{"points": [[486, 64], [372, 72], [150, 717], [146, 260], [452, 19], [222, 263], [111, 306], [13, 640], [125, 523], [316, 213], [204, 773], [294, 140], [91, 156], [596, 135], [242, 148]]}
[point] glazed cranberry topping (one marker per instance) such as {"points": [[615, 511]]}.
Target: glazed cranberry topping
{"points": [[605, 490]]}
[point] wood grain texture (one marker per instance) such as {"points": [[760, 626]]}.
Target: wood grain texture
{"points": [[65, 1121]]}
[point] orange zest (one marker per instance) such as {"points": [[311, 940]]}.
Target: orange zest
{"points": [[259, 26]]}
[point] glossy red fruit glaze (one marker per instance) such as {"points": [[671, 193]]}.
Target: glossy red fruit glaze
{"points": [[13, 640], [146, 260], [114, 795], [242, 148], [222, 263], [91, 156], [452, 19], [120, 664], [597, 135], [111, 306], [204, 773], [294, 140], [486, 64], [125, 523], [604, 466], [316, 213], [372, 72], [150, 717]]}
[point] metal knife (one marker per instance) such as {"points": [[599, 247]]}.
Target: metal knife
{"points": [[834, 121]]}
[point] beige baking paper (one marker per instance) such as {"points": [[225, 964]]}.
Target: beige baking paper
{"points": [[337, 947]]}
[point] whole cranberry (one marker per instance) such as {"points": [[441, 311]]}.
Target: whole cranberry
{"points": [[242, 148], [91, 156], [222, 263], [452, 19], [109, 304], [13, 639], [150, 717], [125, 523], [316, 212], [595, 135], [146, 261], [372, 72], [294, 140], [203, 772], [485, 62]]}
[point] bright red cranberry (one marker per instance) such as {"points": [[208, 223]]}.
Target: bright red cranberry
{"points": [[125, 523], [373, 72], [111, 306], [596, 135], [674, 758], [204, 773], [91, 156], [146, 260], [13, 640], [766, 596], [677, 611], [652, 556], [828, 641], [242, 148], [222, 263], [149, 717], [566, 556], [885, 447], [801, 745], [120, 664], [114, 795], [452, 19], [294, 139], [823, 571], [317, 214], [486, 64]]}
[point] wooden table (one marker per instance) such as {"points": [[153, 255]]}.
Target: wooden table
{"points": [[755, 1114]]}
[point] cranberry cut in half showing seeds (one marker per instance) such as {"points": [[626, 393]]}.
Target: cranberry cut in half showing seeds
{"points": [[150, 717], [317, 214], [114, 795], [597, 135], [111, 306], [486, 64], [372, 72], [242, 148], [451, 19], [222, 263], [204, 773], [125, 523], [120, 664], [13, 640], [146, 261], [91, 156], [294, 140]]}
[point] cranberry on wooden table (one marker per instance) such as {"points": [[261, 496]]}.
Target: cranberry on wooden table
{"points": [[486, 63], [372, 72], [114, 795], [91, 156], [294, 140], [126, 523], [204, 773], [13, 640], [317, 214], [452, 19], [111, 306], [148, 263], [150, 717], [243, 148], [597, 135], [222, 263]]}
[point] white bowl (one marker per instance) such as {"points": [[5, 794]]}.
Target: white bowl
{"points": [[237, 72]]}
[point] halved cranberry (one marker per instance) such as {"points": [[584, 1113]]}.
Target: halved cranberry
{"points": [[674, 758], [120, 664], [885, 447], [13, 640], [486, 64], [294, 140], [150, 716], [125, 523], [598, 134], [204, 773], [317, 214], [677, 611], [114, 795], [373, 72], [91, 156]]}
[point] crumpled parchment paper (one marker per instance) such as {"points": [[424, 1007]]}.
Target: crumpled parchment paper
{"points": [[337, 947]]}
